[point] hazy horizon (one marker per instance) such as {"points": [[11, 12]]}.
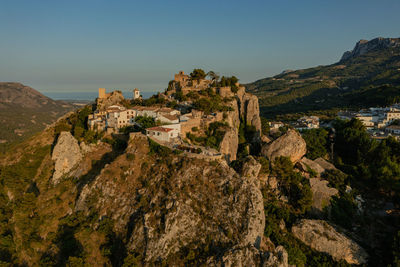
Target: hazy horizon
{"points": [[73, 46]]}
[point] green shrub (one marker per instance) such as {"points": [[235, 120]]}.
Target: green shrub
{"points": [[157, 149], [130, 156]]}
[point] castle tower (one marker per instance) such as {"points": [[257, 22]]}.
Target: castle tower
{"points": [[136, 94], [102, 92]]}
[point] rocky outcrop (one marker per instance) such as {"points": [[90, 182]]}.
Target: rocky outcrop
{"points": [[325, 164], [246, 107], [251, 256], [249, 108], [251, 169], [321, 194], [323, 237], [112, 98], [66, 154], [364, 46], [265, 139], [306, 164], [252, 111], [291, 145], [164, 209], [229, 144]]}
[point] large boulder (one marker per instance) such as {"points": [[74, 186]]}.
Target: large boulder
{"points": [[321, 194], [323, 237], [66, 155], [291, 145]]}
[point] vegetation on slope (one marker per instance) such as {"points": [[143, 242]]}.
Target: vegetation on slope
{"points": [[372, 79], [24, 112]]}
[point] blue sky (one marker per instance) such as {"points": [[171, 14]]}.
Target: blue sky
{"points": [[82, 45]]}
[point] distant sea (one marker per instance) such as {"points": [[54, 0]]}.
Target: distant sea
{"points": [[88, 96]]}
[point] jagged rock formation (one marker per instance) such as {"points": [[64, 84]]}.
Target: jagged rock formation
{"points": [[322, 194], [114, 98], [229, 144], [197, 202], [323, 237], [291, 145], [251, 256], [250, 110], [364, 46], [66, 154], [246, 107]]}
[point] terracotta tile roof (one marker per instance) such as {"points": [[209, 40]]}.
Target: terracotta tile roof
{"points": [[159, 129]]}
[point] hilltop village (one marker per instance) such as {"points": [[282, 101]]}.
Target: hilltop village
{"points": [[193, 114]]}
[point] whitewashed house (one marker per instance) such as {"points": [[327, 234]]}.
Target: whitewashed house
{"points": [[165, 133]]}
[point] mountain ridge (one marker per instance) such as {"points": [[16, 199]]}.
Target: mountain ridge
{"points": [[369, 75], [25, 111], [365, 46]]}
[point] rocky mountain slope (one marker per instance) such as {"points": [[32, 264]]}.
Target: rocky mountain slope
{"points": [[368, 75], [70, 199], [24, 111]]}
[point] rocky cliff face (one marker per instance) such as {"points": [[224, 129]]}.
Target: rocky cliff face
{"points": [[246, 110], [322, 194], [166, 207], [323, 237], [230, 142], [66, 155], [249, 108], [114, 98], [363, 46]]}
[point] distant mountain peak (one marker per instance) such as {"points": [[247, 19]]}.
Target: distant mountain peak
{"points": [[364, 46]]}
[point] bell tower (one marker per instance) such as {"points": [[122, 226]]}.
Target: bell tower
{"points": [[136, 94]]}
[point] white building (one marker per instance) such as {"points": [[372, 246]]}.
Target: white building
{"points": [[367, 119], [393, 129], [275, 124], [164, 133], [118, 117], [146, 111]]}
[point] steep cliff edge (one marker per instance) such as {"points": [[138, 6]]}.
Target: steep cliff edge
{"points": [[245, 111], [166, 206], [364, 46]]}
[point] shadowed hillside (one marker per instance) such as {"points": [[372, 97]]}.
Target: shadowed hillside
{"points": [[24, 111], [369, 75]]}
